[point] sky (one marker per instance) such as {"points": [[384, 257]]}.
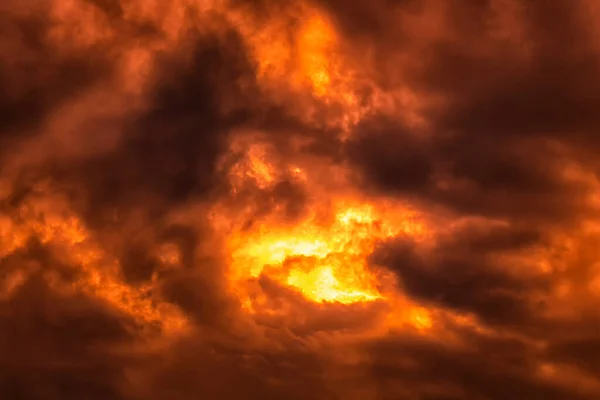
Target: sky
{"points": [[303, 200]]}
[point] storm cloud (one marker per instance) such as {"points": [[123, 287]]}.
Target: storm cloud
{"points": [[312, 200]]}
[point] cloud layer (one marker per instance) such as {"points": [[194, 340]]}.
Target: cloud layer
{"points": [[317, 200]]}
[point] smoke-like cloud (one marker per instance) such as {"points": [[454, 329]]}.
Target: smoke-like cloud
{"points": [[311, 200]]}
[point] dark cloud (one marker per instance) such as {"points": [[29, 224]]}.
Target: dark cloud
{"points": [[578, 351], [169, 155], [57, 345], [552, 94], [513, 120], [368, 20], [495, 368], [471, 174], [391, 158], [35, 79], [195, 369], [464, 272], [111, 7]]}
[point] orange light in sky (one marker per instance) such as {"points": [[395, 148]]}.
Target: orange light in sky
{"points": [[324, 260]]}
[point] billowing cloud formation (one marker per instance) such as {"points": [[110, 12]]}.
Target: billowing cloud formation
{"points": [[312, 200]]}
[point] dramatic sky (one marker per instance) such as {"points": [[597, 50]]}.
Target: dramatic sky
{"points": [[303, 200]]}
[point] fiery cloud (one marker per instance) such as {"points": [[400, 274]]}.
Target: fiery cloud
{"points": [[314, 199]]}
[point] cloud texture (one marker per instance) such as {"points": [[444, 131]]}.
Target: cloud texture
{"points": [[371, 200]]}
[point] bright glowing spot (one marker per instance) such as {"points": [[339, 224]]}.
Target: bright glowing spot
{"points": [[325, 263], [320, 284]]}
